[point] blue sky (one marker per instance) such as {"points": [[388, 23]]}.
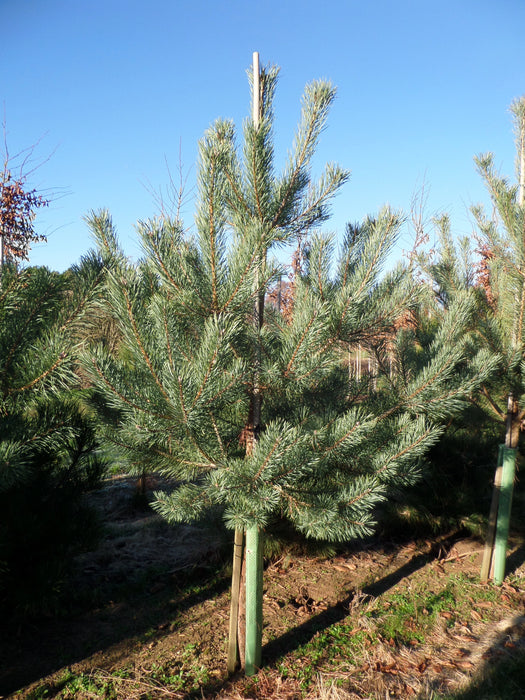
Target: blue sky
{"points": [[116, 89]]}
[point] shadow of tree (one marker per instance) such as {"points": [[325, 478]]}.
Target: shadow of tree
{"points": [[502, 674], [503, 669], [37, 649], [515, 560], [302, 634]]}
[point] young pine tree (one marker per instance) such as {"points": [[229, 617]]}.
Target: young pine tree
{"points": [[47, 434], [499, 323], [250, 409], [503, 241], [503, 328]]}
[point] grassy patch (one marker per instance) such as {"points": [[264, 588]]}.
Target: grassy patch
{"points": [[402, 618], [343, 643], [186, 673], [75, 685], [407, 618]]}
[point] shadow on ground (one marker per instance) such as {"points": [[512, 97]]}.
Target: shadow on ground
{"points": [[119, 621], [502, 674], [38, 649], [304, 633], [143, 574]]}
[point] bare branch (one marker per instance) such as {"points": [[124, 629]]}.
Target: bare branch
{"points": [[19, 202]]}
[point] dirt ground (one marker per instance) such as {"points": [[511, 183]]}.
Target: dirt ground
{"points": [[149, 596]]}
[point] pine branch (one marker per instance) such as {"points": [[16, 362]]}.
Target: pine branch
{"points": [[140, 345]]}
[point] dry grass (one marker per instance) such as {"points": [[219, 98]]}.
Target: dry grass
{"points": [[384, 621]]}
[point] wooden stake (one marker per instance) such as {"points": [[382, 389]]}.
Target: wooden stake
{"points": [[253, 561], [493, 517], [520, 115], [233, 642]]}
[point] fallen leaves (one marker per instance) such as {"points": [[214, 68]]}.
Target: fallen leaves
{"points": [[387, 668], [345, 566], [305, 604]]}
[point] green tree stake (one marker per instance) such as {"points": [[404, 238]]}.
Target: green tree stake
{"points": [[505, 505], [254, 594]]}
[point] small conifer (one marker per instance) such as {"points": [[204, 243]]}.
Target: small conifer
{"points": [[247, 406]]}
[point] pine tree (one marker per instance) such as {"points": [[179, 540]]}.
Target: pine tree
{"points": [[503, 237], [47, 432], [250, 409], [503, 241], [498, 284]]}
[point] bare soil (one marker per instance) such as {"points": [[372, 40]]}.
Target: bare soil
{"points": [[154, 597]]}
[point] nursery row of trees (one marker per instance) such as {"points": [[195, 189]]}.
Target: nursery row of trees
{"points": [[182, 365]]}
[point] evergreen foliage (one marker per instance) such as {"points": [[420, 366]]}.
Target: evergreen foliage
{"points": [[198, 348], [496, 283], [48, 443], [503, 236]]}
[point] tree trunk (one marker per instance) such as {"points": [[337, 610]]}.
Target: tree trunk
{"points": [[141, 485], [513, 423]]}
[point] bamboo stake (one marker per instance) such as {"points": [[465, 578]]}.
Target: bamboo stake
{"points": [[253, 551], [520, 118], [233, 642], [256, 90], [521, 196], [259, 303]]}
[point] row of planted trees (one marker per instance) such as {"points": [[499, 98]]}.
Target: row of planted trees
{"points": [[249, 409]]}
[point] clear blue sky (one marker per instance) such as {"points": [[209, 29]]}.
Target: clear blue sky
{"points": [[119, 87]]}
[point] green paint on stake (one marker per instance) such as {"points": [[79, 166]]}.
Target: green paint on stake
{"points": [[505, 505], [254, 594]]}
